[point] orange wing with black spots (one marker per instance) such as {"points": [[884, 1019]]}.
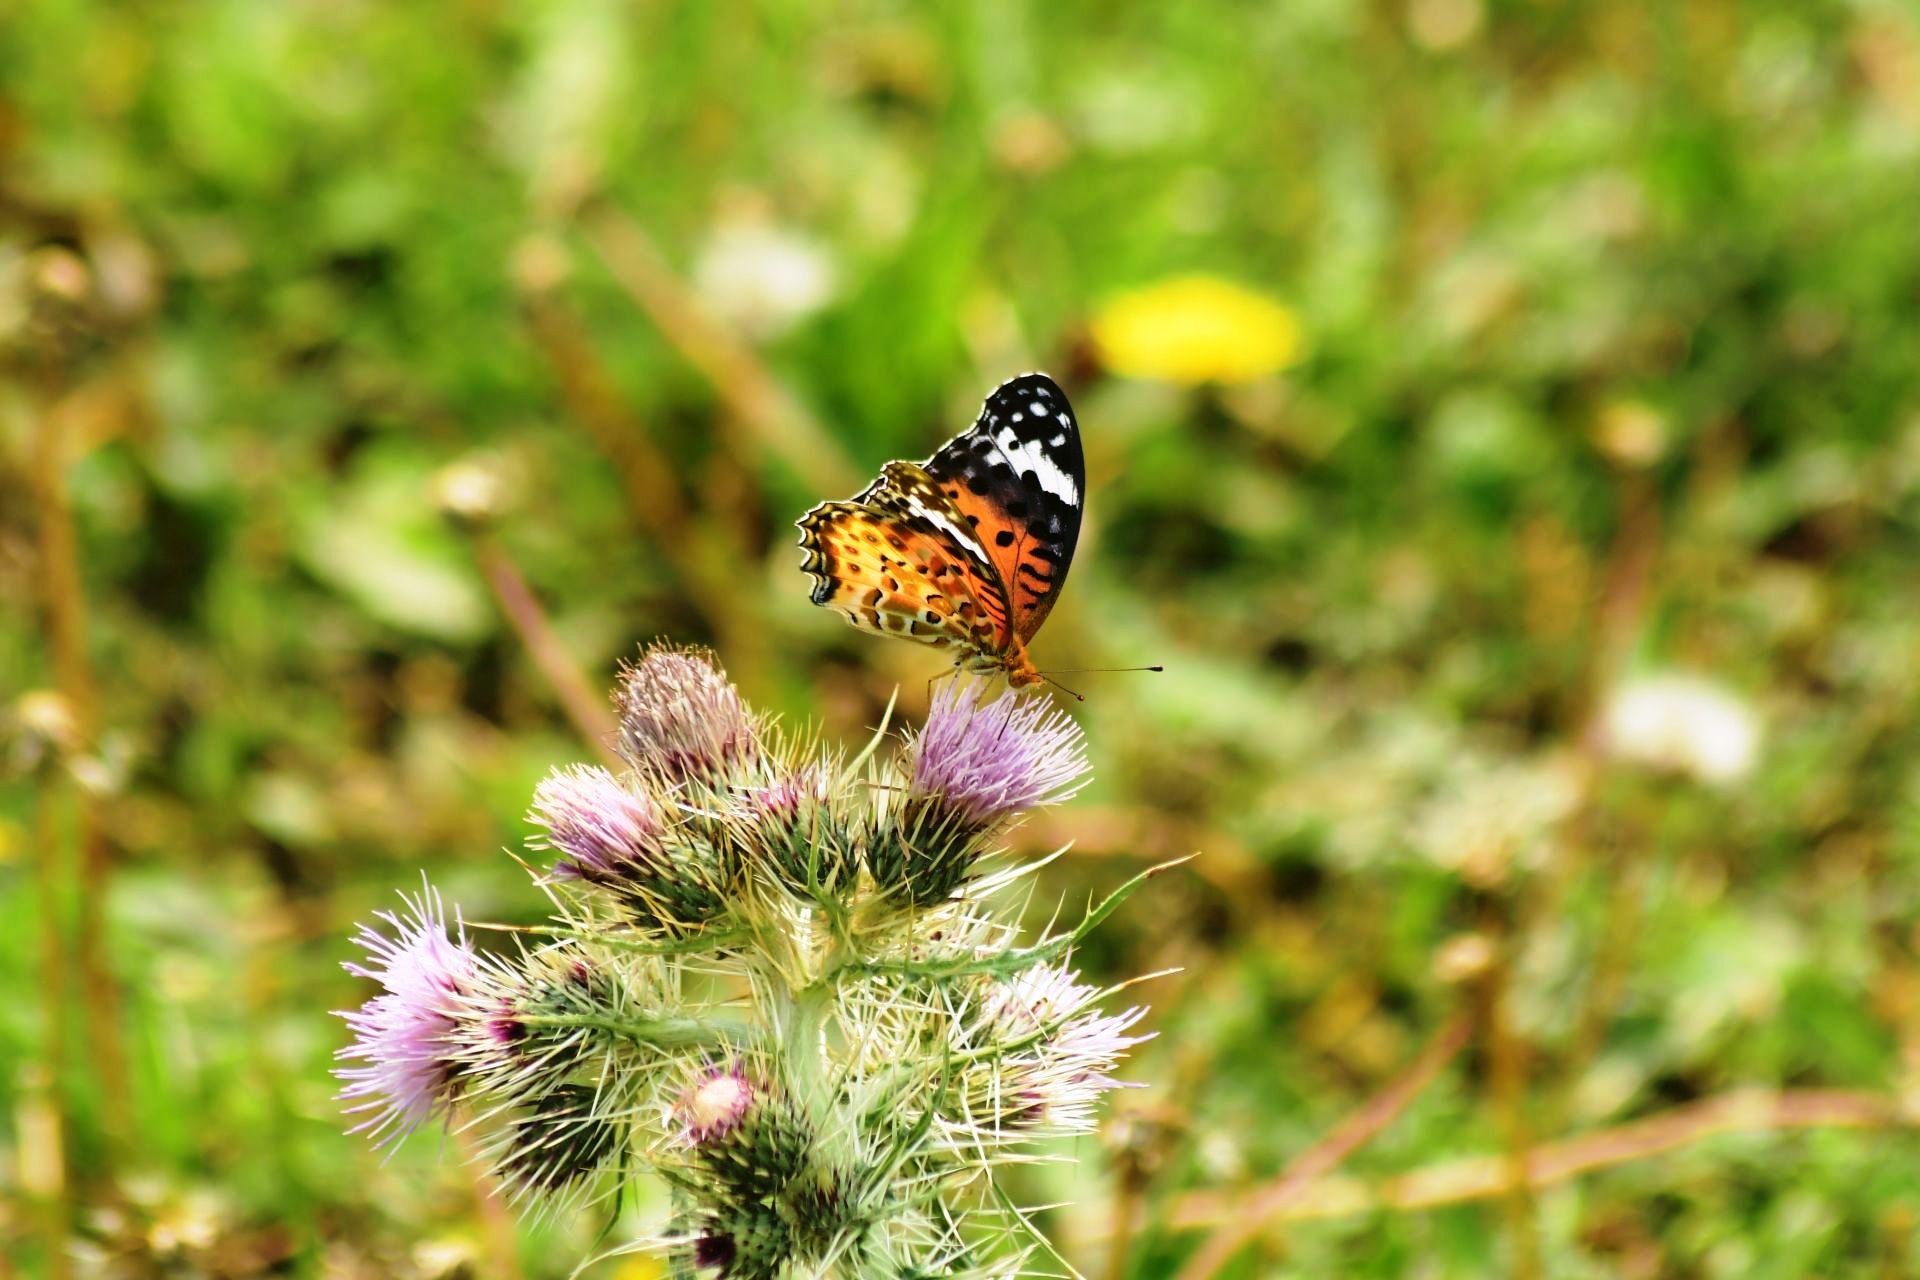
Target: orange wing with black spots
{"points": [[969, 549], [897, 560], [1019, 479]]}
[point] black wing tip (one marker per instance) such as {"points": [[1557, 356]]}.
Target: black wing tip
{"points": [[1031, 383], [1038, 378]]}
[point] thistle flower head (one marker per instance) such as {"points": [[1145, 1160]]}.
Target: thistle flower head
{"points": [[1036, 998], [407, 1036], [1075, 1047], [602, 829], [681, 719], [617, 838], [973, 766], [989, 762], [1072, 1072]]}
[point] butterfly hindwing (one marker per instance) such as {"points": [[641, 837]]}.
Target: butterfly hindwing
{"points": [[1018, 478], [899, 560]]}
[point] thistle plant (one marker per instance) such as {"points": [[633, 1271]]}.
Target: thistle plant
{"points": [[786, 983]]}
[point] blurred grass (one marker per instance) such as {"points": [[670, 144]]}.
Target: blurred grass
{"points": [[1607, 320]]}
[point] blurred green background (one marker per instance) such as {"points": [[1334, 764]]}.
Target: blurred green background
{"points": [[1502, 419]]}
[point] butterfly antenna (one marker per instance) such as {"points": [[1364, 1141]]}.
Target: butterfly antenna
{"points": [[1068, 671], [1062, 688]]}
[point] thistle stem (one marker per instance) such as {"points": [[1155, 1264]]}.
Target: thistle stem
{"points": [[700, 944], [660, 1033]]}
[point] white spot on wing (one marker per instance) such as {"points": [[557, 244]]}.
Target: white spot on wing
{"points": [[963, 537], [1027, 457]]}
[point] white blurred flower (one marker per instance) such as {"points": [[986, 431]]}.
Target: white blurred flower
{"points": [[761, 278], [1685, 723]]}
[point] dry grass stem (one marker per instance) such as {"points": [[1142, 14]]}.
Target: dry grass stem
{"points": [[1507, 1072], [1271, 1203], [66, 625], [1745, 1111], [703, 568], [523, 612]]}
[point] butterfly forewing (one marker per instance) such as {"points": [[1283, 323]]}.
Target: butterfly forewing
{"points": [[1018, 478]]}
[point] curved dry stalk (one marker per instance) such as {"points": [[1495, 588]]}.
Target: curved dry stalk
{"points": [[703, 567], [1486, 1177], [529, 621], [1249, 1215], [66, 627]]}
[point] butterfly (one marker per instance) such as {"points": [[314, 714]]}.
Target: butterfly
{"points": [[969, 549]]}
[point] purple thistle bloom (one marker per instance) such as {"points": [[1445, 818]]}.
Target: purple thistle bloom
{"points": [[989, 762], [603, 828], [406, 1035], [681, 718]]}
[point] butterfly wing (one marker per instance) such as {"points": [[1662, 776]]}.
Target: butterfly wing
{"points": [[899, 560], [1019, 480]]}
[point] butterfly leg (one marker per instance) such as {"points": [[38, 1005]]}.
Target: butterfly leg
{"points": [[950, 672]]}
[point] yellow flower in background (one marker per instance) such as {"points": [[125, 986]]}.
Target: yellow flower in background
{"points": [[1194, 329]]}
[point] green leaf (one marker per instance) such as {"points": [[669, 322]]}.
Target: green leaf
{"points": [[383, 546]]}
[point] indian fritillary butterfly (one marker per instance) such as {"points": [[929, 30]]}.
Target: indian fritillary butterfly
{"points": [[969, 549]]}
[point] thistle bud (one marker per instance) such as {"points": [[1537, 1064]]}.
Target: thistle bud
{"points": [[605, 832], [715, 1105], [681, 719], [559, 1142], [785, 827], [541, 1027], [748, 1242], [742, 1135]]}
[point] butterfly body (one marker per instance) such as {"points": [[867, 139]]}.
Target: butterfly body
{"points": [[969, 549]]}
